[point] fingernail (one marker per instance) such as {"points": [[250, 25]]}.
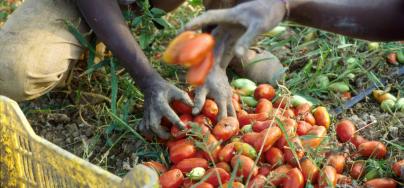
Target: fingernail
{"points": [[195, 111], [240, 51]]}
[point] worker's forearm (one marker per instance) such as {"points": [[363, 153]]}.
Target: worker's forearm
{"points": [[166, 5], [367, 19], [107, 22]]}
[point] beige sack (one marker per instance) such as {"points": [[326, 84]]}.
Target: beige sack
{"points": [[36, 48]]}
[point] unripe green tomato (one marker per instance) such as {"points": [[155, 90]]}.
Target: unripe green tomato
{"points": [[276, 31], [399, 106], [322, 81], [400, 56], [351, 76], [247, 86], [298, 100], [196, 173], [373, 46], [339, 87], [250, 101], [246, 129], [387, 105]]}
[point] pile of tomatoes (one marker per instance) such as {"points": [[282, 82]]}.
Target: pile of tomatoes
{"points": [[274, 141]]}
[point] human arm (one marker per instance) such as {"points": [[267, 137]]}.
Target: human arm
{"points": [[106, 20]]}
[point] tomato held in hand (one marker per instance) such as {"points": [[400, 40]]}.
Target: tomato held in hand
{"points": [[172, 179], [181, 108], [174, 49], [196, 49], [226, 128], [210, 109], [197, 74]]}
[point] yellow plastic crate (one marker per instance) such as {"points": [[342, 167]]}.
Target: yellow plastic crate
{"points": [[27, 160]]}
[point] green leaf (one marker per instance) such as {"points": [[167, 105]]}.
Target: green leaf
{"points": [[162, 22], [137, 21], [145, 39], [157, 13]]}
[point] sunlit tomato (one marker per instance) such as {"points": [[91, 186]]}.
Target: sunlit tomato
{"points": [[290, 128], [197, 74], [302, 109], [257, 182], [263, 106], [322, 117], [314, 137], [294, 179], [381, 183], [250, 138], [210, 110], [337, 161], [267, 138], [245, 166], [250, 118], [202, 120], [264, 170], [374, 149], [345, 130], [343, 180], [233, 185], [309, 170], [172, 179], [224, 165], [278, 174], [357, 169], [182, 152], [173, 50], [176, 132], [187, 165], [181, 108], [212, 176], [297, 148], [274, 156], [328, 177], [245, 149], [264, 91], [160, 168], [196, 49], [226, 128], [204, 185], [227, 152], [397, 166], [357, 140], [309, 118], [259, 126], [214, 147], [303, 127], [289, 114], [172, 144]]}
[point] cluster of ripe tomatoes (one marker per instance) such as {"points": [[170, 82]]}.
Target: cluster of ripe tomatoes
{"points": [[270, 143]]}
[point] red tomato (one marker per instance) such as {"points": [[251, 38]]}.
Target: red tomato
{"points": [[226, 128], [160, 168], [309, 170], [172, 179], [213, 175], [245, 165], [257, 182], [174, 49], [204, 185], [392, 58], [196, 49], [346, 96], [250, 138], [214, 145], [264, 91], [236, 105], [176, 132], [210, 110], [309, 118], [358, 140], [302, 109], [374, 149], [281, 102], [187, 165], [345, 130], [279, 174], [322, 117], [274, 156], [294, 179], [233, 185], [182, 152], [250, 118], [397, 167], [177, 143], [197, 74], [328, 177], [298, 148], [381, 183], [357, 169], [267, 138], [314, 137], [202, 120], [264, 170], [337, 161], [303, 127], [263, 106], [225, 166], [227, 152], [259, 126], [181, 108]]}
